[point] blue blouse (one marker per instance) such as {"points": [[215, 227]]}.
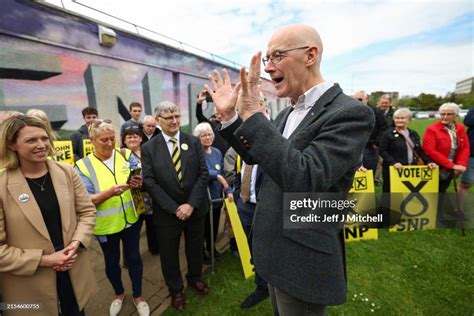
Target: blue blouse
{"points": [[215, 164]]}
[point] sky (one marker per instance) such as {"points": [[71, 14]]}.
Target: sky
{"points": [[406, 46]]}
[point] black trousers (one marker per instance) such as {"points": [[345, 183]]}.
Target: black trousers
{"points": [[169, 236], [246, 212], [151, 237], [67, 299]]}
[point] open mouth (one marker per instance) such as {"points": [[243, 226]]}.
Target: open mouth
{"points": [[277, 80]]}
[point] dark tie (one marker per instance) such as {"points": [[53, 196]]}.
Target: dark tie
{"points": [[176, 158], [245, 186]]}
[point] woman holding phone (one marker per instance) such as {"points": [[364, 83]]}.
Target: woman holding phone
{"points": [[106, 176]]}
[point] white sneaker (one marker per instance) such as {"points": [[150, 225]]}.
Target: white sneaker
{"points": [[142, 308], [116, 306]]}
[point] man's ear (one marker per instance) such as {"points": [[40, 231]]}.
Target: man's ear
{"points": [[313, 56]]}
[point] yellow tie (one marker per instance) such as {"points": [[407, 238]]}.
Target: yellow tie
{"points": [[176, 158]]}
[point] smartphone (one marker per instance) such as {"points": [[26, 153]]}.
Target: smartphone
{"points": [[208, 97], [134, 172]]}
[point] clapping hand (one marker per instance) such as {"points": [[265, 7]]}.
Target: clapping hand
{"points": [[225, 96]]}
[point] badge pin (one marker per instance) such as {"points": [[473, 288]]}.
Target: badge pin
{"points": [[396, 135], [184, 147], [218, 167], [24, 198]]}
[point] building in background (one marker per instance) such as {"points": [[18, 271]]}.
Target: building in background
{"points": [[60, 61], [465, 86]]}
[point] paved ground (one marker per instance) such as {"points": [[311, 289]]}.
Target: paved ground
{"points": [[153, 288]]}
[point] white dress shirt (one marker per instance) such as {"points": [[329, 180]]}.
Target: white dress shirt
{"points": [[170, 144], [303, 106]]}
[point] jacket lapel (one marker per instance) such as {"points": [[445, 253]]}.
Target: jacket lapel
{"points": [[18, 187], [185, 144], [280, 121], [318, 108], [61, 186]]}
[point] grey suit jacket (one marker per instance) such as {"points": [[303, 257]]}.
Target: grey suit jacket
{"points": [[321, 155]]}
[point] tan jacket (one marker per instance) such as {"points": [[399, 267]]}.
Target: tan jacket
{"points": [[24, 238]]}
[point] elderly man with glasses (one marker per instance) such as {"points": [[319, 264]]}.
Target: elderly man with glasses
{"points": [[177, 183], [314, 145]]}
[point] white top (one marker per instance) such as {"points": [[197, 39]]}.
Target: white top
{"points": [[110, 162], [170, 143]]}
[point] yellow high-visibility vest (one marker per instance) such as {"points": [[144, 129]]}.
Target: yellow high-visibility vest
{"points": [[115, 213]]}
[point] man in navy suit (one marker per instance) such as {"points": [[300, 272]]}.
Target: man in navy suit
{"points": [[175, 175], [314, 145]]}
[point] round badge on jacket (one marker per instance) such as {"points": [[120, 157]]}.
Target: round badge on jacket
{"points": [[184, 147], [23, 198]]}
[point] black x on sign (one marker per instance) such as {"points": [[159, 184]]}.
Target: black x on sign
{"points": [[360, 183]]}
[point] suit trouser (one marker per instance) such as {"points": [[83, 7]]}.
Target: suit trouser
{"points": [[286, 305], [246, 212], [67, 299], [169, 237]]}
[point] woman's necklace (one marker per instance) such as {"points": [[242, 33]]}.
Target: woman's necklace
{"points": [[41, 186]]}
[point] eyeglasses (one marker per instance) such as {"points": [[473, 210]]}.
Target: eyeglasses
{"points": [[276, 56], [98, 122], [170, 118], [132, 127]]}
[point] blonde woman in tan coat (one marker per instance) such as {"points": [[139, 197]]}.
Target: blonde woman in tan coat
{"points": [[46, 223]]}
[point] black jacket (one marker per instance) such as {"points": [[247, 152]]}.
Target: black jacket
{"points": [[393, 148], [380, 127], [145, 138], [219, 142], [77, 141], [469, 122], [161, 181]]}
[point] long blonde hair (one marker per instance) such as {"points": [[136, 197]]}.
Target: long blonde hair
{"points": [[9, 131]]}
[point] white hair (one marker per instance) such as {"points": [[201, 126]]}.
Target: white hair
{"points": [[202, 128], [165, 105], [405, 111], [449, 106]]}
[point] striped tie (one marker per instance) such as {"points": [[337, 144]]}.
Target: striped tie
{"points": [[176, 158]]}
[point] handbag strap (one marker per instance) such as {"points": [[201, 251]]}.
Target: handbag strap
{"points": [[411, 147]]}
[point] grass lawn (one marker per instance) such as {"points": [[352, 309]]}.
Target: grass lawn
{"points": [[414, 273]]}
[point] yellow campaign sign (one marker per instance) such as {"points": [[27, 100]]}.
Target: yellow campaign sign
{"points": [[418, 210], [363, 184], [241, 238], [64, 151], [88, 147]]}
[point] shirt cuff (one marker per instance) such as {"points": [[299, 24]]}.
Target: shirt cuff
{"points": [[229, 122]]}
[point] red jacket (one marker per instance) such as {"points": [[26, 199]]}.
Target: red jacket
{"points": [[437, 145]]}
